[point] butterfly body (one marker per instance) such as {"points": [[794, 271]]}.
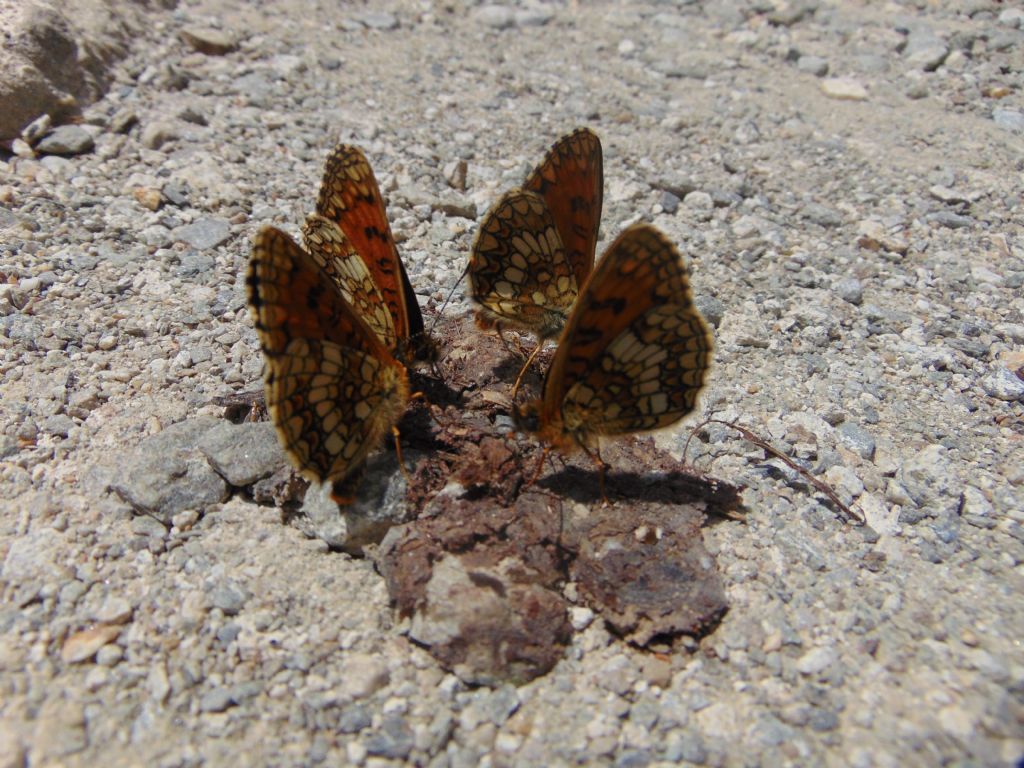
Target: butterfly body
{"points": [[535, 247], [634, 353]]}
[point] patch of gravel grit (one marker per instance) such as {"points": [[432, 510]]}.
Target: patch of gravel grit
{"points": [[845, 177]]}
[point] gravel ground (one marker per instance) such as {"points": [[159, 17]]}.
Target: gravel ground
{"points": [[846, 178]]}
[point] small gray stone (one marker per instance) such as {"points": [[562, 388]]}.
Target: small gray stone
{"points": [[823, 720], [812, 65], [533, 17], [668, 202], [247, 690], [154, 135], [205, 233], [212, 42], [495, 16], [974, 504], [115, 610], [67, 140], [850, 289], [148, 526], [711, 308], [823, 215], [364, 675], [816, 660], [379, 504], [123, 121], [926, 476], [191, 115], [379, 20], [788, 14], [687, 747], [700, 202], [217, 700], [917, 90], [925, 50], [243, 453], [501, 704], [843, 89], [1002, 384], [227, 634], [176, 193], [857, 439], [229, 597], [166, 474], [950, 220], [354, 718], [58, 424], [194, 264], [1012, 17], [1009, 119], [37, 129], [394, 740]]}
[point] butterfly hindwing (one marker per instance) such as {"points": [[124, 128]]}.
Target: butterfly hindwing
{"points": [[518, 269], [339, 260], [571, 181], [333, 390]]}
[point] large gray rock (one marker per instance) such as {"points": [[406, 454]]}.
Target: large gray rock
{"points": [[57, 56]]}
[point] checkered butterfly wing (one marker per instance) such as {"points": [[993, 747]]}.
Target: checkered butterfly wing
{"points": [[349, 196], [571, 181], [338, 259], [636, 352], [518, 270], [333, 390]]}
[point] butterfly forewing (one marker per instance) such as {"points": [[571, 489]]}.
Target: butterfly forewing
{"points": [[571, 181], [518, 268], [635, 352], [349, 196], [333, 390]]}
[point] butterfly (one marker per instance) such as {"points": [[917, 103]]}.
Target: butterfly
{"points": [[333, 320], [535, 247], [634, 353], [379, 288], [333, 389]]}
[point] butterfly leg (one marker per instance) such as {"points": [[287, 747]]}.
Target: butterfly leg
{"points": [[595, 456], [524, 369], [398, 453], [540, 466]]}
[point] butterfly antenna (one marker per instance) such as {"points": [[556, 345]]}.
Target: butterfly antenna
{"points": [[437, 317]]}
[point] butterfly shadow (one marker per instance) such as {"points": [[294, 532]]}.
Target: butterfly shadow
{"points": [[639, 472]]}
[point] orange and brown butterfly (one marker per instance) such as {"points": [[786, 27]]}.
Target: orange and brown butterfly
{"points": [[334, 319], [378, 287], [634, 354], [535, 247], [333, 389]]}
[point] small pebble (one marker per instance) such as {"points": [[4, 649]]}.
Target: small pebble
{"points": [[66, 140], [843, 89]]}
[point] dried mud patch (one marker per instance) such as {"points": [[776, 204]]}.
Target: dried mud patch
{"points": [[481, 572]]}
